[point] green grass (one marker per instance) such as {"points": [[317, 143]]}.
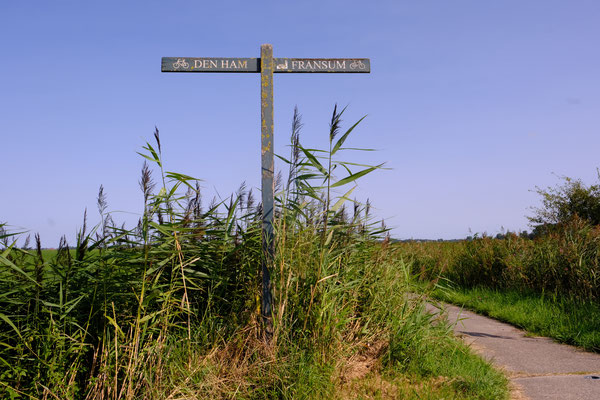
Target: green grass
{"points": [[567, 321], [433, 352], [50, 254]]}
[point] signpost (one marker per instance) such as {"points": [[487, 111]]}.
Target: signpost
{"points": [[267, 65]]}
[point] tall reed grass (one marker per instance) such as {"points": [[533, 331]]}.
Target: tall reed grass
{"points": [[171, 308], [564, 262]]}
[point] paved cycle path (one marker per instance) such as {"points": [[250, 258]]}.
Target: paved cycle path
{"points": [[538, 367]]}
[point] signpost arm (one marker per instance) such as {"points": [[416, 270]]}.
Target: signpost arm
{"points": [[266, 102]]}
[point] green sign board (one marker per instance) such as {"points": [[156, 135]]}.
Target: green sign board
{"points": [[307, 65]]}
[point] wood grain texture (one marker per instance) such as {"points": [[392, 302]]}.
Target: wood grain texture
{"points": [[267, 184]]}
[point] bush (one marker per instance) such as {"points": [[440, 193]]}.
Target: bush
{"points": [[564, 202]]}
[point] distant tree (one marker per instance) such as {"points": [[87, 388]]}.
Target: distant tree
{"points": [[564, 202], [525, 235]]}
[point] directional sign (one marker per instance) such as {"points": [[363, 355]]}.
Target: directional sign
{"points": [[190, 64], [353, 65], [307, 65], [266, 65]]}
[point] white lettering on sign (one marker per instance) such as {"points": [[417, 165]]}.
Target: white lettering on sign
{"points": [[318, 64], [234, 64], [253, 65], [207, 63]]}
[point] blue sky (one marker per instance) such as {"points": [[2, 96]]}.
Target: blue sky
{"points": [[471, 104]]}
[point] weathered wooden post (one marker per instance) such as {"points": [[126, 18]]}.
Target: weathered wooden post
{"points": [[267, 184], [267, 66]]}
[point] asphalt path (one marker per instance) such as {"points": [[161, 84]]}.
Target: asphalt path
{"points": [[538, 367]]}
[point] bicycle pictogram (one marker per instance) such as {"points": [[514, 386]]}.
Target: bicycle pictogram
{"points": [[357, 64], [181, 63]]}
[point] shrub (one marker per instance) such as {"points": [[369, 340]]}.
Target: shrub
{"points": [[566, 201]]}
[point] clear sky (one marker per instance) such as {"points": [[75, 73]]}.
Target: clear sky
{"points": [[471, 103]]}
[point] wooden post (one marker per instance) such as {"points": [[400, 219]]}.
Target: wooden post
{"points": [[267, 184]]}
